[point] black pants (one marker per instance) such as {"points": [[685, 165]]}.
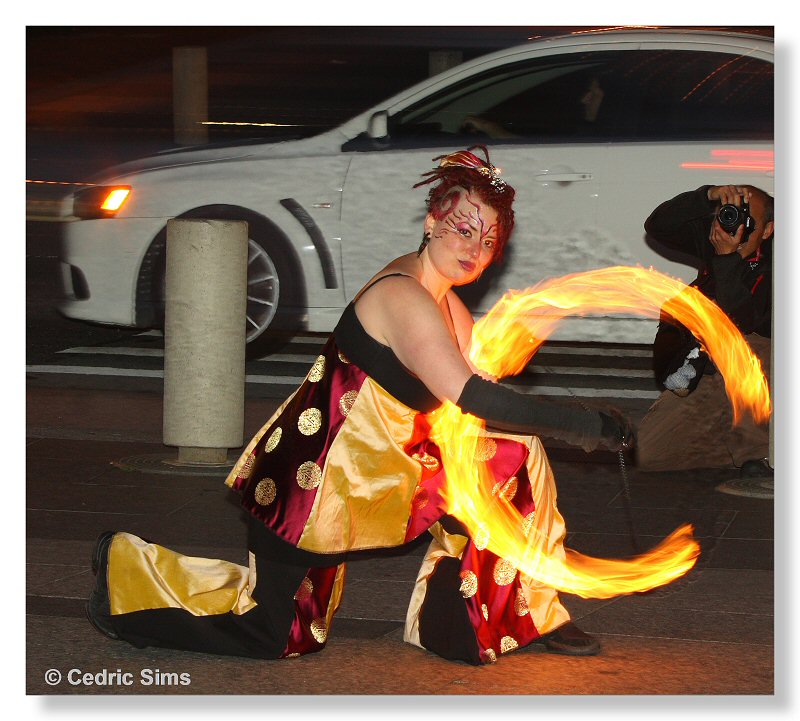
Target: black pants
{"points": [[261, 632]]}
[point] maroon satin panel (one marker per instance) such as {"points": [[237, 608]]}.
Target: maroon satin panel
{"points": [[310, 608], [428, 505], [287, 514]]}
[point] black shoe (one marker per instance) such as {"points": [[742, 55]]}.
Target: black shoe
{"points": [[101, 546], [98, 607], [570, 640]]}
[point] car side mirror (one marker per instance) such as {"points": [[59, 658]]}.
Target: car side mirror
{"points": [[378, 127]]}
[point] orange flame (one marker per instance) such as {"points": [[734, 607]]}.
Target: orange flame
{"points": [[503, 343]]}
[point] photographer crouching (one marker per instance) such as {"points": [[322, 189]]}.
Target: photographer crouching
{"points": [[729, 228]]}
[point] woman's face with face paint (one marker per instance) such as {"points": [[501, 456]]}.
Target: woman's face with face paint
{"points": [[463, 238]]}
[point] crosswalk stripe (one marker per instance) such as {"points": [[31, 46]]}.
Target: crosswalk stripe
{"points": [[545, 350], [116, 350], [295, 381], [95, 370], [535, 368]]}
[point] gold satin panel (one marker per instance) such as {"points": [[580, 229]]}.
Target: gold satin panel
{"points": [[543, 603], [368, 483], [144, 576]]}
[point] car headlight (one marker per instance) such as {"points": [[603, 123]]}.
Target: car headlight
{"points": [[100, 201]]}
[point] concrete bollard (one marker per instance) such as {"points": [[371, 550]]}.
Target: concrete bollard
{"points": [[204, 338]]}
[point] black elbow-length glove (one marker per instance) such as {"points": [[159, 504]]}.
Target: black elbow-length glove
{"points": [[506, 410]]}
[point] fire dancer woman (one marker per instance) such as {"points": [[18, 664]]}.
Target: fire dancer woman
{"points": [[347, 464]]}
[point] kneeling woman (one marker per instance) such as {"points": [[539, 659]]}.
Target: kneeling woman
{"points": [[347, 464]]}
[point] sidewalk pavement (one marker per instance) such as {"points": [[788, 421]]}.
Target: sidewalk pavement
{"points": [[709, 633]]}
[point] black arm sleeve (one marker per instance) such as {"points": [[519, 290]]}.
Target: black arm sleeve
{"points": [[733, 294], [506, 410], [674, 347], [683, 222]]}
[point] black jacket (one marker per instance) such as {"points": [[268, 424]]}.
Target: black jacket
{"points": [[741, 287]]}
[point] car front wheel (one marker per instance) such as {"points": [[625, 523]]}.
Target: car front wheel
{"points": [[263, 291], [275, 291]]}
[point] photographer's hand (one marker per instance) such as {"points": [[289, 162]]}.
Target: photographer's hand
{"points": [[724, 243], [728, 194]]}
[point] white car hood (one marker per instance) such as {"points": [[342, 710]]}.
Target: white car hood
{"points": [[327, 142]]}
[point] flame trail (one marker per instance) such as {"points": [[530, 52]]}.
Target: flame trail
{"points": [[504, 341]]}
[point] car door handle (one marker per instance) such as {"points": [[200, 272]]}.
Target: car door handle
{"points": [[564, 177]]}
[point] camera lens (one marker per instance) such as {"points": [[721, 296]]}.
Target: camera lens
{"points": [[729, 216]]}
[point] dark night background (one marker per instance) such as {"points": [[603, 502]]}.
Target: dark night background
{"points": [[107, 91]]}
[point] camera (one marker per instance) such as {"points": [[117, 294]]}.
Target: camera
{"points": [[731, 216]]}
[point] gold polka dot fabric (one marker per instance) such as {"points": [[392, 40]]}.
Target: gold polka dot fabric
{"points": [[273, 440], [310, 421], [309, 475], [507, 643], [247, 468], [430, 462], [520, 604], [481, 539], [506, 490], [346, 402], [420, 499], [485, 449], [319, 630], [317, 372], [527, 523], [504, 572], [305, 590], [265, 491], [469, 584]]}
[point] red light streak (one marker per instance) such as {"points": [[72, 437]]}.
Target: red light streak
{"points": [[747, 160], [728, 166], [722, 153]]}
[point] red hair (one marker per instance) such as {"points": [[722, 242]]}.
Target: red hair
{"points": [[464, 170]]}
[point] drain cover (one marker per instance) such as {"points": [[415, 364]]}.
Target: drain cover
{"points": [[168, 463], [750, 487]]}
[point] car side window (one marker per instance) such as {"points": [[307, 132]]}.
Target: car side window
{"points": [[696, 95], [605, 95]]}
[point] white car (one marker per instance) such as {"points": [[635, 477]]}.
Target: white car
{"points": [[594, 130]]}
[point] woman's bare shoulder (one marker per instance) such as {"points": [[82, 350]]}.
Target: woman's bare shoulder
{"points": [[401, 276]]}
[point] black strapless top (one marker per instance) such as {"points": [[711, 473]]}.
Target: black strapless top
{"points": [[379, 361]]}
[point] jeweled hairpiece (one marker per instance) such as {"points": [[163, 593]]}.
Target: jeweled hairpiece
{"points": [[466, 159]]}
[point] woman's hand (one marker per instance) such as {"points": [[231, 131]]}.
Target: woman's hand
{"points": [[616, 430]]}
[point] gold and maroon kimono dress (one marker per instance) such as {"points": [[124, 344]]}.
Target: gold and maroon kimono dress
{"points": [[343, 466]]}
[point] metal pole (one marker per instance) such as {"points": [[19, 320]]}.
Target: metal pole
{"points": [[204, 338], [190, 95]]}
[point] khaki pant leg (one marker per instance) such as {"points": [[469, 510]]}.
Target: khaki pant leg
{"points": [[696, 431]]}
